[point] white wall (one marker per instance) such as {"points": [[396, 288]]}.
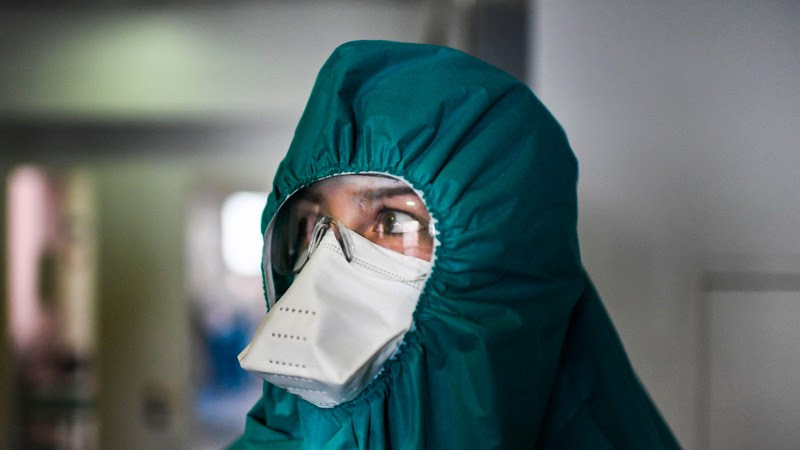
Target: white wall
{"points": [[685, 117], [755, 368], [252, 59]]}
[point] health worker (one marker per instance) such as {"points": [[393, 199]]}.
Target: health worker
{"points": [[422, 272]]}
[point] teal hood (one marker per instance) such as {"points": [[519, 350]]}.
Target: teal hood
{"points": [[512, 347]]}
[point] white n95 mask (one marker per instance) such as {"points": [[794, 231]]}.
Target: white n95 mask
{"points": [[339, 321]]}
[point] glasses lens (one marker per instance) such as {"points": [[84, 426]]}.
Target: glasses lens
{"points": [[384, 210]]}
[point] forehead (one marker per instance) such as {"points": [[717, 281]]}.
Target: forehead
{"points": [[356, 186]]}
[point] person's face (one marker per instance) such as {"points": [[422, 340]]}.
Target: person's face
{"points": [[384, 210]]}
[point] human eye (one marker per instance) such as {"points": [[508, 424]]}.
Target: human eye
{"points": [[391, 221]]}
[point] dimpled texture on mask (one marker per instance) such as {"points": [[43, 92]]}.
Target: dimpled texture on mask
{"points": [[511, 347]]}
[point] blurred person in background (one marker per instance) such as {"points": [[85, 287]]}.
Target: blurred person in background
{"points": [[423, 276]]}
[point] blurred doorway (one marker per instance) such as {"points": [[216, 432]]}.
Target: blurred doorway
{"points": [[50, 241]]}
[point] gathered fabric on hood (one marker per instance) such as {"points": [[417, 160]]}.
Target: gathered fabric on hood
{"points": [[511, 346]]}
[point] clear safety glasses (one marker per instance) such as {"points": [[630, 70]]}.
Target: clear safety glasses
{"points": [[384, 210], [324, 225]]}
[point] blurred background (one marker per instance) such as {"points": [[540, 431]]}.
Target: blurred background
{"points": [[138, 139]]}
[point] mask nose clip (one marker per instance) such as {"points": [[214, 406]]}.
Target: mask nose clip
{"points": [[341, 232]]}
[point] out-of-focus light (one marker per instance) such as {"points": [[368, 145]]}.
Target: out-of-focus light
{"points": [[29, 212], [241, 241]]}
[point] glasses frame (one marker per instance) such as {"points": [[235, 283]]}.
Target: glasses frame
{"points": [[340, 232]]}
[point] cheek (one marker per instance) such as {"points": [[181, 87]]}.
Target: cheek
{"points": [[425, 249], [416, 245], [420, 253], [410, 240]]}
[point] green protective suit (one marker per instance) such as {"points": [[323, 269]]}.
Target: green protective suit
{"points": [[511, 347]]}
